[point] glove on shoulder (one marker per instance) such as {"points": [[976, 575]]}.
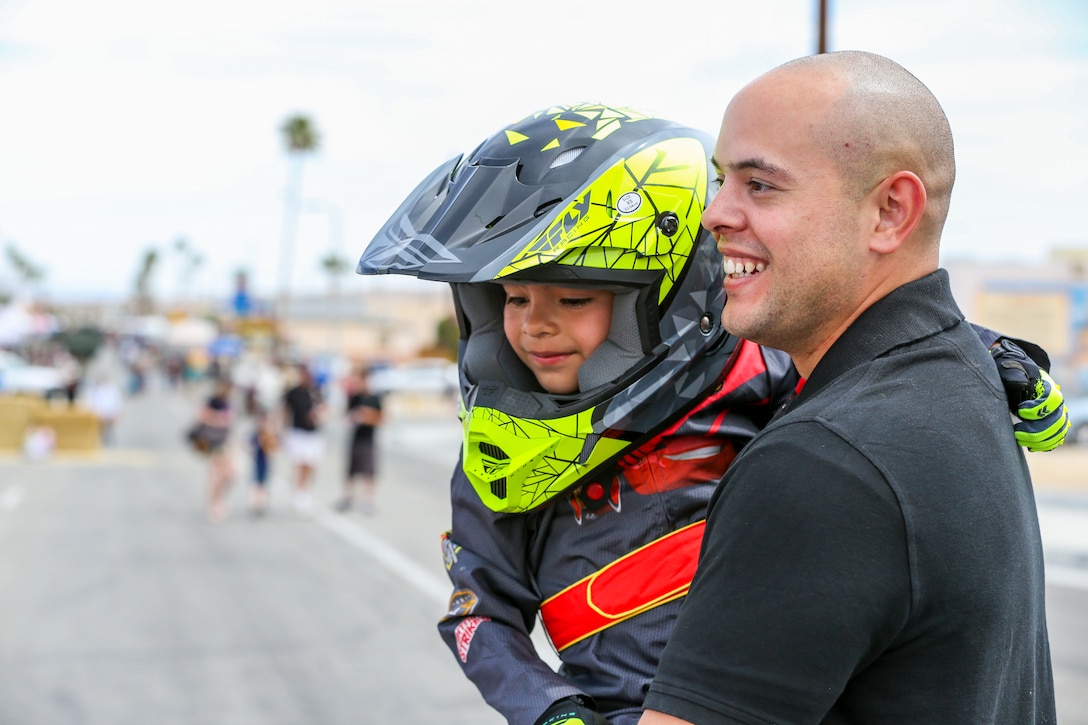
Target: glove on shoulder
{"points": [[1033, 396]]}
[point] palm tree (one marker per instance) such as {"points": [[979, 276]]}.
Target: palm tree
{"points": [[300, 138], [189, 261], [335, 265], [143, 300], [29, 272]]}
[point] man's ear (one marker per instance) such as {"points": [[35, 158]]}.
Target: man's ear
{"points": [[901, 199]]}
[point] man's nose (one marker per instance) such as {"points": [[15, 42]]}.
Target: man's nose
{"points": [[723, 214]]}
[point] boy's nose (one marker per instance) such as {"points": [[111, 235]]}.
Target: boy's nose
{"points": [[536, 322]]}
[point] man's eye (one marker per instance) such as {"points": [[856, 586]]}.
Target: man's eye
{"points": [[756, 185]]}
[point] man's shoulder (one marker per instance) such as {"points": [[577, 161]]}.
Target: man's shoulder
{"points": [[952, 364]]}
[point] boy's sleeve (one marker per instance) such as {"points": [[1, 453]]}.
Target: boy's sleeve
{"points": [[493, 608]]}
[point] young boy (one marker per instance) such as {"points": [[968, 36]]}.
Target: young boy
{"points": [[601, 400]]}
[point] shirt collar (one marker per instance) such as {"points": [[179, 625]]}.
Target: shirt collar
{"points": [[909, 313]]}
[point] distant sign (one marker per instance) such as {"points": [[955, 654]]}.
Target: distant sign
{"points": [[225, 346], [242, 304]]}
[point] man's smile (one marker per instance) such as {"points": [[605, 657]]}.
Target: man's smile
{"points": [[737, 268]]}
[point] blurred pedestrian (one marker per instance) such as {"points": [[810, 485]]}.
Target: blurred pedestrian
{"points": [[105, 401], [304, 409], [215, 421], [72, 370], [263, 444], [364, 410]]}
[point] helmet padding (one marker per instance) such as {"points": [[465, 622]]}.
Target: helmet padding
{"points": [[487, 355]]}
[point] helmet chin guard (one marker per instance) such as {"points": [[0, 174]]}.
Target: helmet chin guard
{"points": [[577, 196]]}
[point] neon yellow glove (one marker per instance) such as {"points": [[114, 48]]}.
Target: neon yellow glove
{"points": [[572, 711], [1034, 398], [1045, 419]]}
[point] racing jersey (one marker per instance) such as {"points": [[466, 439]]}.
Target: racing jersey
{"points": [[607, 562]]}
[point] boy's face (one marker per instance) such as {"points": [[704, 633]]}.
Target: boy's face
{"points": [[554, 329]]}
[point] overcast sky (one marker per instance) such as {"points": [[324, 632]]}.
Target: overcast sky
{"points": [[128, 124]]}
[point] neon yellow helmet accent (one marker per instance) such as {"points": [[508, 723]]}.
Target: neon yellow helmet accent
{"points": [[613, 224], [516, 464]]}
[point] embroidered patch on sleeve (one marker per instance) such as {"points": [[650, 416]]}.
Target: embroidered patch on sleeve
{"points": [[465, 631]]}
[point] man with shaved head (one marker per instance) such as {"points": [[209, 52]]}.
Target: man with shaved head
{"points": [[867, 559]]}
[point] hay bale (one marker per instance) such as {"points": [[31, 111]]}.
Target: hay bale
{"points": [[16, 413], [76, 429]]}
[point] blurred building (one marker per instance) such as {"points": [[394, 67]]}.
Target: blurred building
{"points": [[383, 321], [390, 324], [1046, 303]]}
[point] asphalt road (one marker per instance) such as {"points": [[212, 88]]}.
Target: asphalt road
{"points": [[120, 603]]}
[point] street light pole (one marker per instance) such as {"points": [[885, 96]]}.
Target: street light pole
{"points": [[821, 43], [335, 220]]}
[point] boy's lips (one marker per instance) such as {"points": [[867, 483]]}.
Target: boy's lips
{"points": [[548, 358]]}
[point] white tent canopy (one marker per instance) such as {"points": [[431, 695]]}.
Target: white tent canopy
{"points": [[19, 321], [191, 332], [149, 327], [15, 324]]}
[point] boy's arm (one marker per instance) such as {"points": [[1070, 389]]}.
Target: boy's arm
{"points": [[493, 608]]}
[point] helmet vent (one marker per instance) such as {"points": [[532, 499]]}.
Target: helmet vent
{"points": [[543, 208], [498, 488], [493, 451], [566, 157]]}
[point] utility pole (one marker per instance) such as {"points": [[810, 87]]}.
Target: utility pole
{"points": [[821, 43]]}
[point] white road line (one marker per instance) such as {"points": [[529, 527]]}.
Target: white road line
{"points": [[409, 571], [403, 567], [384, 554], [12, 497]]}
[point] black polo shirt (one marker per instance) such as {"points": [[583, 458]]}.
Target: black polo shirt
{"points": [[873, 556]]}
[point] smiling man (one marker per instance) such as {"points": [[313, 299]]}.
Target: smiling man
{"points": [[888, 567]]}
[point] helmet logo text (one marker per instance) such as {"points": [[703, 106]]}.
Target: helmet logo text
{"points": [[576, 213]]}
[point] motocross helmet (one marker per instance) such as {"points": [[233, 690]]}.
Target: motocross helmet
{"points": [[584, 195]]}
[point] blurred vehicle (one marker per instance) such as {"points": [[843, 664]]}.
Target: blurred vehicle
{"points": [[422, 375], [19, 376], [1078, 420]]}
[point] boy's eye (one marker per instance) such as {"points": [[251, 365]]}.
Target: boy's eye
{"points": [[757, 185], [514, 300], [577, 301]]}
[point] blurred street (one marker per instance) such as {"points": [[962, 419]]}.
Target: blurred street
{"points": [[123, 604]]}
